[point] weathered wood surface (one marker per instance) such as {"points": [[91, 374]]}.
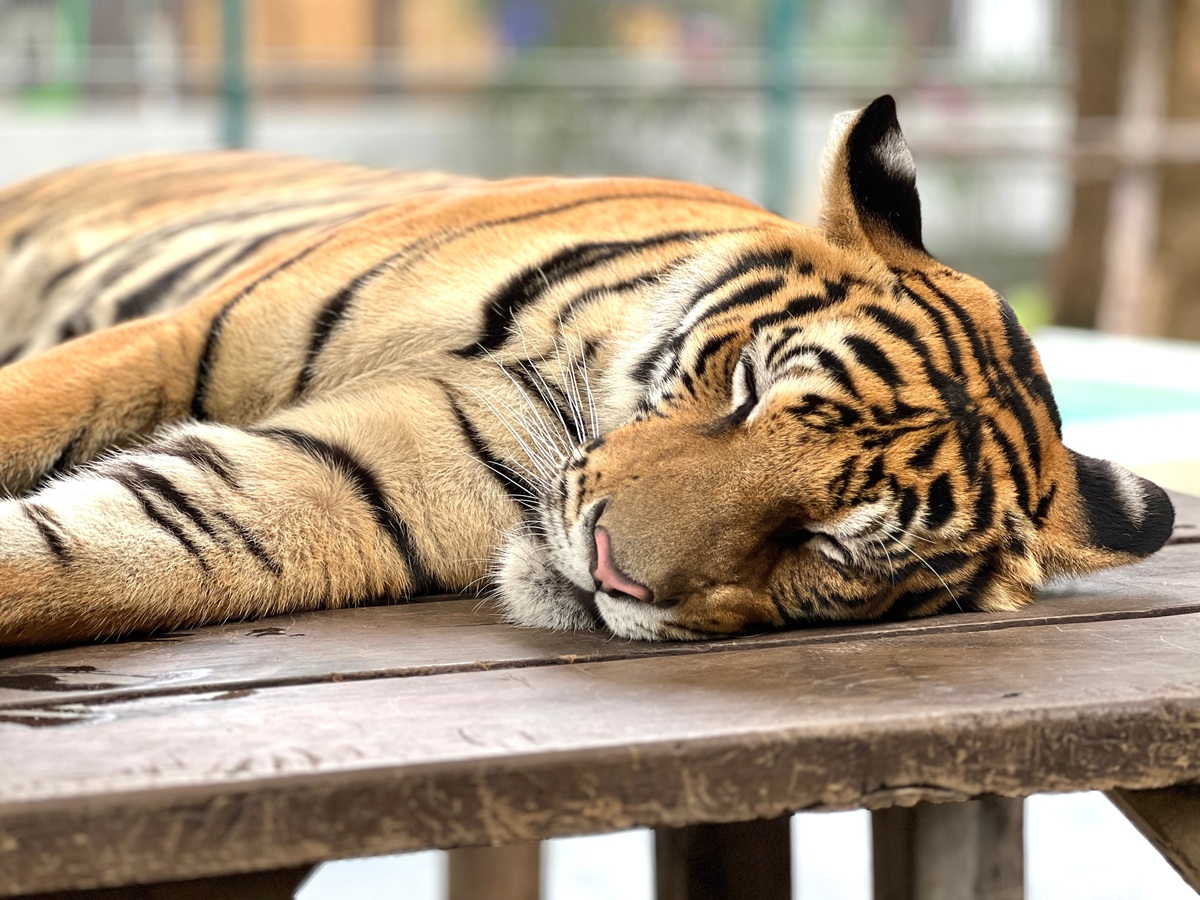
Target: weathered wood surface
{"points": [[1170, 820], [277, 885], [733, 861], [950, 851], [171, 787], [372, 731], [466, 634]]}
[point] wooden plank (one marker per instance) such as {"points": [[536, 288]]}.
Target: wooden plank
{"points": [[276, 885], [467, 635], [1170, 820], [496, 873], [175, 787], [950, 851], [731, 861]]}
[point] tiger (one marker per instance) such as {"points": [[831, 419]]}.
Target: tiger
{"points": [[239, 385]]}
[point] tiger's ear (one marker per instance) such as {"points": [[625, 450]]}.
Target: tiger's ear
{"points": [[869, 185], [1107, 517]]}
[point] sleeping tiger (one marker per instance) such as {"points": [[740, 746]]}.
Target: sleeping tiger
{"points": [[240, 384]]}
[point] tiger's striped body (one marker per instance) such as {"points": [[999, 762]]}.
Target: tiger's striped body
{"points": [[640, 404]]}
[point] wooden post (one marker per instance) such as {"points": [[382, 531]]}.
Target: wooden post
{"points": [[737, 861], [280, 884], [496, 873], [1170, 820], [950, 851]]}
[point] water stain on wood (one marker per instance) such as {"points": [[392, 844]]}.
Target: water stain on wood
{"points": [[57, 678]]}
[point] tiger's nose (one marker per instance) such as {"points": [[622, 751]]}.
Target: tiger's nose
{"points": [[609, 576]]}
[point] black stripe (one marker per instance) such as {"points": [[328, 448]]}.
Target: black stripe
{"points": [[909, 501], [871, 355], [248, 249], [1022, 358], [58, 277], [747, 295], [129, 481], [531, 283], [169, 492], [48, 527], [840, 484], [581, 300], [142, 300], [909, 602], [207, 361], [783, 258], [939, 505], [9, 355], [781, 341], [66, 456], [1002, 390], [1043, 507], [875, 473], [519, 490], [199, 452], [668, 346], [251, 543], [327, 320], [133, 249], [1018, 472], [829, 361], [369, 490], [796, 307], [926, 454], [942, 327], [940, 564], [204, 371], [985, 503], [708, 349]]}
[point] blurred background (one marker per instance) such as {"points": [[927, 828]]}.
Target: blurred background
{"points": [[1058, 148]]}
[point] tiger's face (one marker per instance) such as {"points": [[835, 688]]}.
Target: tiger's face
{"points": [[828, 425]]}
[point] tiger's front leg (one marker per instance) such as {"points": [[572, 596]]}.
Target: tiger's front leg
{"points": [[67, 405], [342, 501]]}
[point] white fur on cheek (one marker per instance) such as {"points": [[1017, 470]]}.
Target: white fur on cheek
{"points": [[533, 593]]}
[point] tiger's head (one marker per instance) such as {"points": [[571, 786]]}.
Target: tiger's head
{"points": [[827, 425]]}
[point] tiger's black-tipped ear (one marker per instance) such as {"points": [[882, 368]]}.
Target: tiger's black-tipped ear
{"points": [[1116, 517], [870, 182]]}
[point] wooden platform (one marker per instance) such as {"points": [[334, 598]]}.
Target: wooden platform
{"points": [[276, 744]]}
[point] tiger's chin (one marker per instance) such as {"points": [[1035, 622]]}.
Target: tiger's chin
{"points": [[532, 592]]}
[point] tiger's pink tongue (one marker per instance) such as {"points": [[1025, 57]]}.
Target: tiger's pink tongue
{"points": [[610, 577]]}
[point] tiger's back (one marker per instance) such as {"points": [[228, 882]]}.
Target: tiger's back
{"points": [[95, 246]]}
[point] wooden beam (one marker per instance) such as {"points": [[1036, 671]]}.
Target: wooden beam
{"points": [[950, 851], [280, 884], [734, 861], [1170, 820], [512, 872]]}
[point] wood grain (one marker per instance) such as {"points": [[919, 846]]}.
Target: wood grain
{"points": [[277, 885], [466, 635], [173, 787], [1170, 820]]}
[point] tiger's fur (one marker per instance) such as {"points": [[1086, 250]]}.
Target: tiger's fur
{"points": [[634, 404]]}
